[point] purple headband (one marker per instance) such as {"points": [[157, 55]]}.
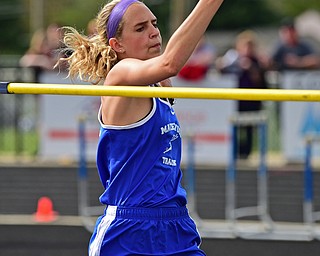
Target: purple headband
{"points": [[116, 16]]}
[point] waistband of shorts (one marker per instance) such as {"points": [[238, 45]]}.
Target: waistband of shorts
{"points": [[147, 213]]}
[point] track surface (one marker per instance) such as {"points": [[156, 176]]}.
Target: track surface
{"points": [[21, 186]]}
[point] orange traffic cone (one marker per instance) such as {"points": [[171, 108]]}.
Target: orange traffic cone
{"points": [[45, 212]]}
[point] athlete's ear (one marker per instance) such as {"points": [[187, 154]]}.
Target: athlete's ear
{"points": [[115, 45]]}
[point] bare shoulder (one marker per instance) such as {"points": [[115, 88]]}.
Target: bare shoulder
{"points": [[136, 72], [121, 73], [125, 110], [122, 111]]}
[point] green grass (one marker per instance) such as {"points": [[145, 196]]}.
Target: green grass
{"points": [[16, 143]]}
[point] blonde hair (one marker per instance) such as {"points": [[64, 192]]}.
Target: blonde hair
{"points": [[247, 36], [91, 56]]}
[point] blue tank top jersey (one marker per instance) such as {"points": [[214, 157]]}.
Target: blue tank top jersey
{"points": [[139, 164]]}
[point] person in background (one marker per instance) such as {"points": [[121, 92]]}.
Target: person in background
{"points": [[54, 36], [291, 52], [250, 67], [44, 48], [92, 27], [200, 62], [139, 148], [37, 55]]}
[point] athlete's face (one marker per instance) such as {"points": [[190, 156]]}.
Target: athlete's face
{"points": [[140, 37]]}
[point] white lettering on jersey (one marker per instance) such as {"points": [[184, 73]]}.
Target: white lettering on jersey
{"points": [[168, 148], [170, 127], [169, 161]]}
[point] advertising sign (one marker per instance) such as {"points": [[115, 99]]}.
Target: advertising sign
{"points": [[298, 119]]}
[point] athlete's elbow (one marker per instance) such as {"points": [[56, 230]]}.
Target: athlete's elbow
{"points": [[172, 68]]}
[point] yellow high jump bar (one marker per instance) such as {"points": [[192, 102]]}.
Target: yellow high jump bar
{"points": [[162, 92]]}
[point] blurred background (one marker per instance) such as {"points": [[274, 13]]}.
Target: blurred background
{"points": [[48, 143], [32, 37], [22, 18]]}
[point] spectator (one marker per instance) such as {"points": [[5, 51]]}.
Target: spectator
{"points": [[92, 27], [54, 35], [249, 67], [291, 52], [37, 54], [199, 63], [43, 52]]}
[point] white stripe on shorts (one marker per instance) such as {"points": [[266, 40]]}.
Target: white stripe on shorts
{"points": [[95, 246]]}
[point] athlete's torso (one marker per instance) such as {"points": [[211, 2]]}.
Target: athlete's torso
{"points": [[139, 164]]}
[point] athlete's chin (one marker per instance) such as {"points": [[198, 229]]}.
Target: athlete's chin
{"points": [[156, 49], [150, 55], [153, 54]]}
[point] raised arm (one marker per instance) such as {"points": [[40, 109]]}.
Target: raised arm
{"points": [[178, 50]]}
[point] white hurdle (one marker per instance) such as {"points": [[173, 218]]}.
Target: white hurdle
{"points": [[86, 211], [233, 226], [259, 120], [309, 214]]}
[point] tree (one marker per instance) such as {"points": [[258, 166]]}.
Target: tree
{"points": [[239, 14], [12, 30], [292, 8], [16, 15], [76, 13]]}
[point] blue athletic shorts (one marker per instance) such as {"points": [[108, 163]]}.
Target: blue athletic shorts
{"points": [[145, 231]]}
